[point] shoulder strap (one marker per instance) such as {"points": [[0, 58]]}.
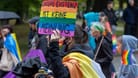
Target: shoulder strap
{"points": [[97, 51]]}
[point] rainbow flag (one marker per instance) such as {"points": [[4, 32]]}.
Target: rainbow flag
{"points": [[127, 57], [114, 44], [11, 44], [81, 66], [58, 14]]}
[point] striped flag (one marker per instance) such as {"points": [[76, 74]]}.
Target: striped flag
{"points": [[11, 44], [127, 57], [114, 43]]}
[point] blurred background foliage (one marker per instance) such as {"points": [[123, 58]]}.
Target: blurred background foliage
{"points": [[29, 8]]}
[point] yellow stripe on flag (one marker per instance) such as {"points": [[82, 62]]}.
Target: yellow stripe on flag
{"points": [[17, 46], [58, 15]]}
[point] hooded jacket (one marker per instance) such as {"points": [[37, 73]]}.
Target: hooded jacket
{"points": [[129, 71]]}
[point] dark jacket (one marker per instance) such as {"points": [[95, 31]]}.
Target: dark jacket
{"points": [[1, 46], [30, 37], [111, 16], [43, 44], [58, 68], [130, 15], [105, 55]]}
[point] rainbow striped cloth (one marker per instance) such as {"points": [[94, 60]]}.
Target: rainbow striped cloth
{"points": [[11, 44], [127, 57], [81, 66], [114, 44]]}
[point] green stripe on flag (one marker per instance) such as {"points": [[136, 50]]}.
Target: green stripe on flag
{"points": [[57, 20]]}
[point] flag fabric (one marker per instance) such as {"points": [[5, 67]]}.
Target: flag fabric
{"points": [[114, 43], [127, 57], [35, 53], [31, 54], [11, 44], [81, 66]]}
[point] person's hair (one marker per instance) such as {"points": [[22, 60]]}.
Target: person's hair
{"points": [[81, 35], [102, 14], [109, 2], [9, 27], [98, 27], [128, 3]]}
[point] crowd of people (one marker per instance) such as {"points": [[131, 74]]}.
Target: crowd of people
{"points": [[88, 54]]}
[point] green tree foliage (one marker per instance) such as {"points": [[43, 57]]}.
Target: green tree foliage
{"points": [[23, 8], [29, 8]]}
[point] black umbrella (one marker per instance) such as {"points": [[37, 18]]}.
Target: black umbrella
{"points": [[34, 20], [8, 15]]}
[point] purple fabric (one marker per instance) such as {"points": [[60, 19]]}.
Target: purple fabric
{"points": [[10, 75], [31, 54], [36, 53]]}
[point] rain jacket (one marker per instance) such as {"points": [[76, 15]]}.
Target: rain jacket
{"points": [[105, 55], [129, 71]]}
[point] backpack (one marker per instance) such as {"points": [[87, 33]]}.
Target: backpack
{"points": [[8, 61]]}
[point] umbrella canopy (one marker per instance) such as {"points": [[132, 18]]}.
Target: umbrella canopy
{"points": [[8, 15], [34, 20]]}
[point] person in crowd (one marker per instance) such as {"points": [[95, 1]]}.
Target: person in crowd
{"points": [[108, 33], [89, 18], [2, 73], [33, 35], [10, 50], [76, 63], [10, 41], [110, 13], [37, 41], [1, 43], [130, 16], [127, 45], [6, 29], [104, 20], [103, 52], [1, 40]]}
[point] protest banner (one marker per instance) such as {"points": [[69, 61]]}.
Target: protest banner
{"points": [[58, 14]]}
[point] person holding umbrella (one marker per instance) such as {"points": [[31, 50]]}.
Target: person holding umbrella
{"points": [[33, 30], [37, 41]]}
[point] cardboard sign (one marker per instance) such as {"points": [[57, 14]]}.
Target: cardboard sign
{"points": [[58, 14]]}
